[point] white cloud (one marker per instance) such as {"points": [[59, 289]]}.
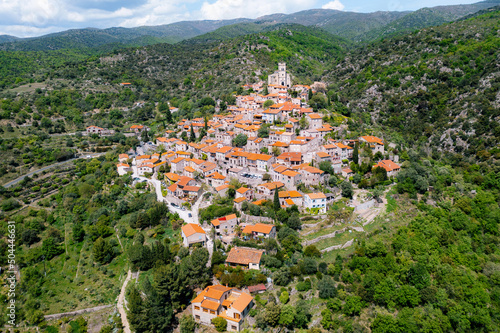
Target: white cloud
{"points": [[335, 4], [228, 9]]}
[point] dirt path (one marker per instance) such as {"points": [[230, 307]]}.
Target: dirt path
{"points": [[119, 241], [77, 312], [121, 304]]}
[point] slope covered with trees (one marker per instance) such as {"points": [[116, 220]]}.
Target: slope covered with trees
{"points": [[437, 87]]}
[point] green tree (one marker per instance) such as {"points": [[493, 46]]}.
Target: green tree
{"points": [[187, 324], [102, 251], [78, 232], [287, 316], [327, 288], [50, 248], [192, 136], [282, 277], [293, 222], [284, 297], [272, 314], [352, 306], [168, 116], [240, 140], [347, 190], [303, 123], [326, 167], [276, 201], [355, 153], [220, 324], [312, 251], [267, 104]]}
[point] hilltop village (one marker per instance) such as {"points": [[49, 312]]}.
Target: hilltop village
{"points": [[270, 147]]}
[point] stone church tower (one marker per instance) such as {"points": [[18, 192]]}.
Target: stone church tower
{"points": [[280, 77]]}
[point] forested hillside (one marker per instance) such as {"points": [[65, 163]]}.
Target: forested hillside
{"points": [[438, 87], [429, 261]]}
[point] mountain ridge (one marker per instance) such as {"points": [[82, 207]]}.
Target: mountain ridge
{"points": [[359, 27]]}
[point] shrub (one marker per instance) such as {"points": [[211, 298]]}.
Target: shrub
{"points": [[220, 324]]}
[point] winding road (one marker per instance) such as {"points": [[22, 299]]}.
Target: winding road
{"points": [[31, 173]]}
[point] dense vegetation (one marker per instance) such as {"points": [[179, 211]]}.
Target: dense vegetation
{"points": [[430, 263], [437, 87]]}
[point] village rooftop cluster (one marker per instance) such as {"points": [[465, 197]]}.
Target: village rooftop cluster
{"points": [[285, 159]]}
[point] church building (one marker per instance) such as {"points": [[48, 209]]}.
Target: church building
{"points": [[280, 77]]}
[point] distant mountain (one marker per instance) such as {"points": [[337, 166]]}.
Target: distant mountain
{"points": [[350, 25], [7, 38], [98, 38], [343, 24], [427, 17]]}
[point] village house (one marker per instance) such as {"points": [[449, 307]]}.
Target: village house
{"points": [[289, 159], [315, 200], [225, 224], [290, 198], [389, 166], [267, 189], [238, 202], [315, 120], [219, 301], [193, 234], [375, 144], [123, 158], [310, 175], [244, 192], [260, 230], [138, 129], [244, 257], [347, 172], [123, 169]]}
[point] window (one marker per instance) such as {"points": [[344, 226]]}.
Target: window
{"points": [[197, 317], [196, 307], [205, 310], [212, 312], [234, 327], [237, 315]]}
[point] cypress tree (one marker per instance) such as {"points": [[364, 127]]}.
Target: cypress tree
{"points": [[168, 116], [277, 205], [192, 137], [355, 153]]}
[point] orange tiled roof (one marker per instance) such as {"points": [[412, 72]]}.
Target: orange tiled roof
{"points": [[272, 185], [318, 195], [191, 229], [259, 227], [373, 139], [291, 194], [244, 256], [388, 165], [242, 190]]}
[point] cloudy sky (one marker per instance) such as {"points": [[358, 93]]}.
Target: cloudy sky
{"points": [[26, 18]]}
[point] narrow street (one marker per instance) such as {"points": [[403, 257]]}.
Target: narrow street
{"points": [[183, 213]]}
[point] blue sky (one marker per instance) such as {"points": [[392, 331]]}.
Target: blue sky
{"points": [[27, 18]]}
